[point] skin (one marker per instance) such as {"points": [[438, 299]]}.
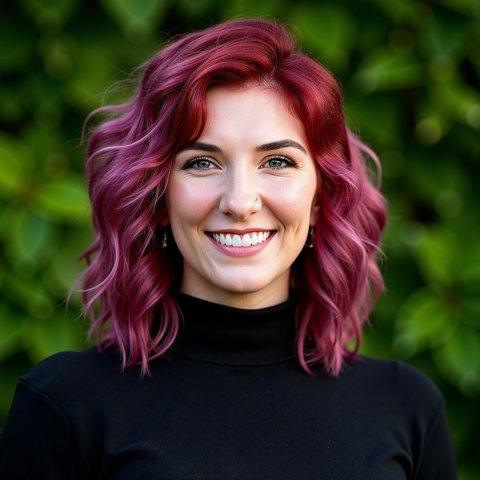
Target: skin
{"points": [[213, 187]]}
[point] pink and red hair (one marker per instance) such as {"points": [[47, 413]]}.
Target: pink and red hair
{"points": [[129, 278]]}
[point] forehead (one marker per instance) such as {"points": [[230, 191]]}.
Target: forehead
{"points": [[254, 113]]}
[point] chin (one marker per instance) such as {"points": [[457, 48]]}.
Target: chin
{"points": [[238, 282], [243, 287]]}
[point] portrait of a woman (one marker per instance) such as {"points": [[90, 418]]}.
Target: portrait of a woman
{"points": [[238, 225]]}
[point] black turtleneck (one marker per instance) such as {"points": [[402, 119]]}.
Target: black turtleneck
{"points": [[234, 336], [228, 402]]}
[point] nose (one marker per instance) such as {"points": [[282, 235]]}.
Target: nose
{"points": [[240, 196]]}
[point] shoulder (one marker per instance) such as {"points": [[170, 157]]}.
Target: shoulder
{"points": [[66, 373], [398, 372], [393, 380]]}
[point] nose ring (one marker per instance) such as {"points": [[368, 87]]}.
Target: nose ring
{"points": [[256, 200]]}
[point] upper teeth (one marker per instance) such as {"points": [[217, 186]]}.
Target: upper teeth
{"points": [[241, 241]]}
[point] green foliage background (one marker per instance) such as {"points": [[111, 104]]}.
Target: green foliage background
{"points": [[410, 72]]}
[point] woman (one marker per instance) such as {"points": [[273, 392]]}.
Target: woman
{"points": [[234, 262]]}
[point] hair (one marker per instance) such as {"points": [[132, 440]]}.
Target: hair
{"points": [[129, 276]]}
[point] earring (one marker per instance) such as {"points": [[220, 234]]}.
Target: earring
{"points": [[310, 239], [164, 239]]}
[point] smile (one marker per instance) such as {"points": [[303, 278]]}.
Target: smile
{"points": [[247, 240]]}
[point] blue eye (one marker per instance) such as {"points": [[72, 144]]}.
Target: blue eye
{"points": [[280, 162], [276, 163], [203, 164], [198, 164]]}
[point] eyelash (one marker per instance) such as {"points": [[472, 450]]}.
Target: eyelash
{"points": [[290, 163], [190, 163]]}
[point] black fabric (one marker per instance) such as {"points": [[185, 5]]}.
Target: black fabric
{"points": [[229, 402]]}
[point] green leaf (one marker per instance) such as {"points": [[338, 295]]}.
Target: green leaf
{"points": [[18, 44], [443, 38], [42, 142], [383, 69], [431, 127], [429, 177], [193, 9], [423, 322], [60, 332], [467, 7], [400, 10], [64, 269], [31, 243], [458, 101], [16, 164], [49, 15], [384, 134], [10, 327], [83, 90], [376, 343], [328, 30], [470, 305], [469, 267], [438, 255], [28, 294], [11, 109], [2, 275], [58, 53], [137, 18], [458, 359], [64, 200], [36, 88]]}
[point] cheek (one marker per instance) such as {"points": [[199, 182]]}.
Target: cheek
{"points": [[292, 201], [188, 203]]}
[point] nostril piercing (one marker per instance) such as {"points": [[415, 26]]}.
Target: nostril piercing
{"points": [[256, 200]]}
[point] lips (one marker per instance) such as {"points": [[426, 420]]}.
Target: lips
{"points": [[236, 240]]}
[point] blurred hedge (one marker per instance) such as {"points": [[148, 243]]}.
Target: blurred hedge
{"points": [[410, 72]]}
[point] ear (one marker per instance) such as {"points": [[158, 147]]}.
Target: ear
{"points": [[315, 209]]}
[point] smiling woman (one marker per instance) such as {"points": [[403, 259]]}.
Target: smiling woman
{"points": [[237, 233]]}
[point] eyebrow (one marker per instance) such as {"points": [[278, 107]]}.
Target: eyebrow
{"points": [[266, 147], [280, 144], [203, 147]]}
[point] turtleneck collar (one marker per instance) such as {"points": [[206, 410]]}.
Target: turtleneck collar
{"points": [[224, 335]]}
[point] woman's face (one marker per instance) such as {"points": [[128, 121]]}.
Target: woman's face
{"points": [[249, 176]]}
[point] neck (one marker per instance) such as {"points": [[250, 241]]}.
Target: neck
{"points": [[230, 336], [273, 294]]}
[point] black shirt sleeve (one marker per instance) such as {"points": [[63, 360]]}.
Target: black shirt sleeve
{"points": [[437, 458], [37, 441]]}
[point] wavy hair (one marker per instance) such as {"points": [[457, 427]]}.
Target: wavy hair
{"points": [[129, 276]]}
